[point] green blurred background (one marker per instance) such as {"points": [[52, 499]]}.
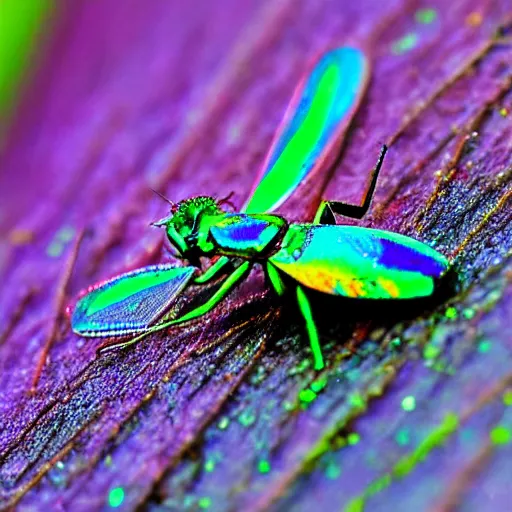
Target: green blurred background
{"points": [[22, 24]]}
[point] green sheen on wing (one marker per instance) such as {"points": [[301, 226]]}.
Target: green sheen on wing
{"points": [[124, 288], [315, 121], [130, 302]]}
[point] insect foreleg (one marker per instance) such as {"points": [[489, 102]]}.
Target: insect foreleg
{"points": [[305, 309], [231, 281], [212, 271], [327, 209]]}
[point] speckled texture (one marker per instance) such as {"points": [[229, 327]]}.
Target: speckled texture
{"points": [[413, 410]]}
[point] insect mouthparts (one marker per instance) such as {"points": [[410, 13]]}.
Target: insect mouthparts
{"points": [[162, 222]]}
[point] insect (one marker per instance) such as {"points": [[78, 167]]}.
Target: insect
{"points": [[334, 259]]}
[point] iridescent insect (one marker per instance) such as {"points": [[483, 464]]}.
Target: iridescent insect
{"points": [[337, 260]]}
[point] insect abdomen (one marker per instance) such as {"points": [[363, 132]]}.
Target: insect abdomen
{"points": [[359, 262]]}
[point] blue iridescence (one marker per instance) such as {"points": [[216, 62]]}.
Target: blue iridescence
{"points": [[394, 255], [248, 234]]}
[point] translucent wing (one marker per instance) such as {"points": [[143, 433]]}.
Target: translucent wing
{"points": [[129, 303], [359, 262], [317, 117]]}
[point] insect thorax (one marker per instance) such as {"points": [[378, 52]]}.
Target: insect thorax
{"points": [[247, 235]]}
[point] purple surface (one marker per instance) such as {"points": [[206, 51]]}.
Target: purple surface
{"points": [[185, 99]]}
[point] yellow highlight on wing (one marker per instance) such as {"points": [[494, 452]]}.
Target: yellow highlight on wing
{"points": [[389, 286]]}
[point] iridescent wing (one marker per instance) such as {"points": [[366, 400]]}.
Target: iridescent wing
{"points": [[129, 303], [314, 124], [359, 262]]}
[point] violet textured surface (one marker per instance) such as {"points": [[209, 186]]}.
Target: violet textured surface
{"points": [[413, 409]]}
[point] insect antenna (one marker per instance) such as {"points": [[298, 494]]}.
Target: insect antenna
{"points": [[174, 206]]}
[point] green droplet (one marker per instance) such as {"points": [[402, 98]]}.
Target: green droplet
{"points": [[204, 502], [223, 423], [307, 395], [288, 406], [209, 465], [500, 435], [396, 342], [425, 16], [116, 497], [403, 437], [332, 471], [484, 346], [451, 313], [247, 418], [408, 462], [431, 351], [469, 313], [507, 397], [409, 403], [404, 44], [263, 466], [353, 438]]}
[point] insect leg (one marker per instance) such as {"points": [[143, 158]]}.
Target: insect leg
{"points": [[305, 309], [275, 279], [212, 271], [116, 346], [326, 211]]}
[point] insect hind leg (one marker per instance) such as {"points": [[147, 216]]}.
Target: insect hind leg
{"points": [[326, 211], [305, 309]]}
